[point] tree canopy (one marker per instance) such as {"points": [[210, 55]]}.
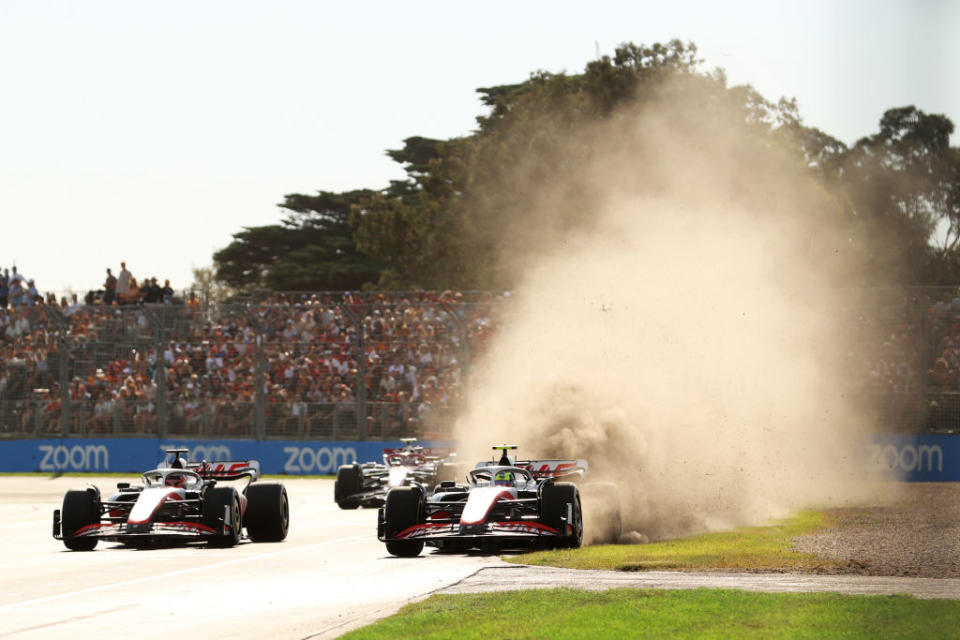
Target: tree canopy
{"points": [[470, 204], [311, 249]]}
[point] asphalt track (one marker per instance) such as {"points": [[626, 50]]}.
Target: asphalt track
{"points": [[330, 575]]}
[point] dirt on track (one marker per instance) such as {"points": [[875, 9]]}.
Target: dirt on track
{"points": [[914, 531]]}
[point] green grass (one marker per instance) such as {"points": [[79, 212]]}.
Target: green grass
{"points": [[748, 549], [649, 613]]}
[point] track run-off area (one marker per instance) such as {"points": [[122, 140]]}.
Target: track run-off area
{"points": [[330, 575]]}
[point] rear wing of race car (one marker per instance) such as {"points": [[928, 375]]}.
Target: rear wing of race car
{"points": [[556, 469], [227, 470], [430, 453]]}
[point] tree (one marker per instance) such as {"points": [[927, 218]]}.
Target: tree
{"points": [[208, 287], [473, 210], [902, 183], [311, 249]]}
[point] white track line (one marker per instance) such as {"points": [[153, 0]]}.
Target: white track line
{"points": [[180, 572]]}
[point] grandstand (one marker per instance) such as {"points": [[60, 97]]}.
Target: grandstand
{"points": [[291, 365], [357, 366]]}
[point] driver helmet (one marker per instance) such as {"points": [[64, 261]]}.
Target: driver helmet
{"points": [[175, 480], [503, 478]]}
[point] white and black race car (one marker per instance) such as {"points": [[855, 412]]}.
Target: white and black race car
{"points": [[366, 485], [180, 502], [505, 504]]}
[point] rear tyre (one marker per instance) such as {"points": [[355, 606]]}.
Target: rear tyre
{"points": [[216, 500], [403, 510], [268, 512], [80, 509], [553, 510], [348, 483]]}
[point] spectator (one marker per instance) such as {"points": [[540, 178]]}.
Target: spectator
{"points": [[123, 283], [166, 292], [31, 295], [133, 292], [15, 289], [109, 288], [152, 292], [4, 288]]}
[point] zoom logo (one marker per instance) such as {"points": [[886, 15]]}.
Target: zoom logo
{"points": [[909, 458], [210, 453], [92, 457], [321, 460]]}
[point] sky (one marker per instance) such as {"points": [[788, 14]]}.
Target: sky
{"points": [[151, 132]]}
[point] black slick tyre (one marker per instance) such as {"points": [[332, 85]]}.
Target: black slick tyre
{"points": [[348, 483], [79, 509], [403, 510], [554, 499], [268, 512], [216, 500]]}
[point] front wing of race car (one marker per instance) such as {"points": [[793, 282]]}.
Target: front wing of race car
{"points": [[117, 529]]}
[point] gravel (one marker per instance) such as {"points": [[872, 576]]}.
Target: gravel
{"points": [[914, 532]]}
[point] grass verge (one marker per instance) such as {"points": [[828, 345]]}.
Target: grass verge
{"points": [[747, 549], [649, 613]]}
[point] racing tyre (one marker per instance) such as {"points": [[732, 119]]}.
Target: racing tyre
{"points": [[80, 509], [348, 483], [268, 512], [553, 508], [216, 500], [402, 511]]}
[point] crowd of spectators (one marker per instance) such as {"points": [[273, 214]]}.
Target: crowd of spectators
{"points": [[329, 364], [17, 290], [318, 355]]}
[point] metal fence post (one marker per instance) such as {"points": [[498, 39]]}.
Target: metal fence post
{"points": [[160, 372], [926, 363], [361, 356], [260, 426], [465, 354], [65, 400], [259, 377], [54, 315]]}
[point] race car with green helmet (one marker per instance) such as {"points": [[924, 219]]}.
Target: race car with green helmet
{"points": [[505, 503]]}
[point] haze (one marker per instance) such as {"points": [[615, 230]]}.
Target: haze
{"points": [[686, 335]]}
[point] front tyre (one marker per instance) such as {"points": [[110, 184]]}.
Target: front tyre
{"points": [[216, 502], [268, 512], [403, 510], [80, 509], [348, 483]]}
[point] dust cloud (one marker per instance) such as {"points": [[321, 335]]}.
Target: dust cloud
{"points": [[685, 334]]}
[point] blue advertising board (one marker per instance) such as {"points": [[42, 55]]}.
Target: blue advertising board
{"points": [[134, 455], [918, 458]]}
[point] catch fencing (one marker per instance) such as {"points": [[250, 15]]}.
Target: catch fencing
{"points": [[288, 366], [372, 366]]}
